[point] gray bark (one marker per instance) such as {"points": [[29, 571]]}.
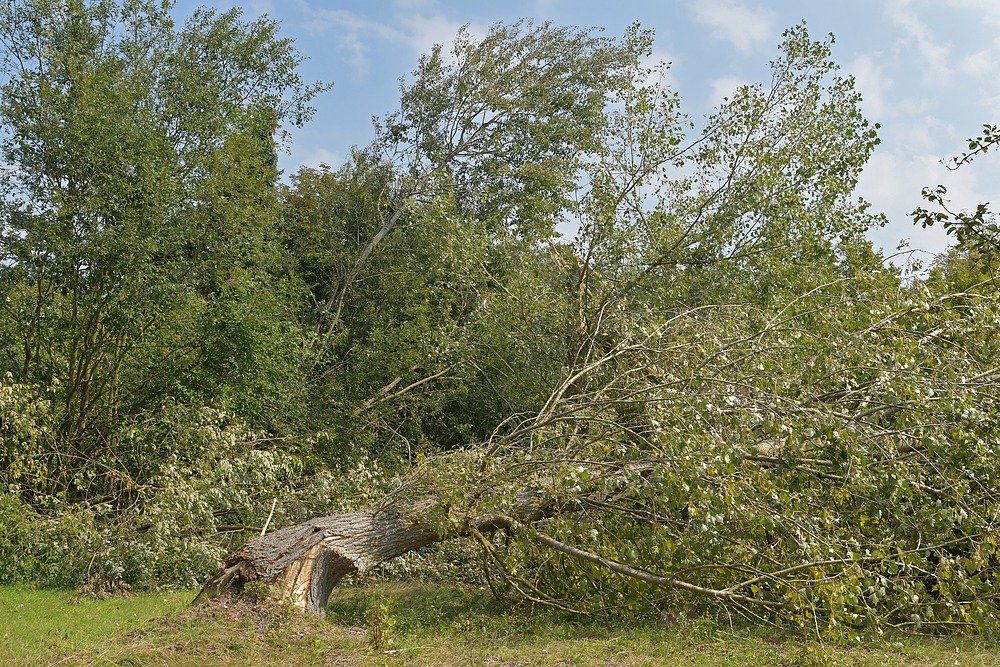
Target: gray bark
{"points": [[303, 563]]}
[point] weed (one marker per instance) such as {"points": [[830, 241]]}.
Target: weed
{"points": [[380, 621]]}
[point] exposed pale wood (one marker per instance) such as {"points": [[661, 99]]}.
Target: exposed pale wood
{"points": [[304, 562]]}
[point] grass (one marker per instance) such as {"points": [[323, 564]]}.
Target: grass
{"points": [[36, 623], [409, 624]]}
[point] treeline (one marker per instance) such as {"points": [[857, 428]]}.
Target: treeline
{"points": [[188, 342]]}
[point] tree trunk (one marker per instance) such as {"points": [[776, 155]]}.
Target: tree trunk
{"points": [[304, 562]]}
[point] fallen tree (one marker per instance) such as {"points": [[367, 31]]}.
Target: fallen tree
{"points": [[707, 463], [304, 562]]}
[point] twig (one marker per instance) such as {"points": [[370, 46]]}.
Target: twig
{"points": [[269, 516]]}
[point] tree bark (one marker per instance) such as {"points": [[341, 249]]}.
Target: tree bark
{"points": [[304, 562]]}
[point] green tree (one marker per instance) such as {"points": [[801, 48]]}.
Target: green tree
{"points": [[413, 247], [138, 245], [743, 210]]}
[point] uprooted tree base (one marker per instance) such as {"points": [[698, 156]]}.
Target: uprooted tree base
{"points": [[304, 562]]}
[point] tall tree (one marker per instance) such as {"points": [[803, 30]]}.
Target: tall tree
{"points": [[137, 224], [411, 247]]}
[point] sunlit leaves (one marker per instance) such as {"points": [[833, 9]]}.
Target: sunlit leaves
{"points": [[834, 461], [138, 254]]}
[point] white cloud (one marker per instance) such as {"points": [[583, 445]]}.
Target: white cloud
{"points": [[423, 32], [988, 10], [921, 133], [724, 87], [919, 33], [974, 22], [892, 182], [355, 33], [742, 26], [983, 71], [660, 64], [873, 84], [544, 8], [352, 33], [980, 65], [318, 156]]}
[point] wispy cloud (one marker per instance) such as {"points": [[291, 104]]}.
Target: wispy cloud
{"points": [[743, 26], [873, 84], [424, 32], [359, 36], [916, 31], [978, 54], [352, 32], [661, 75], [981, 64], [544, 8], [988, 11], [892, 182], [724, 87], [316, 157]]}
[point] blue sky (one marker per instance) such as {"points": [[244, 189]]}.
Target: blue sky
{"points": [[929, 71]]}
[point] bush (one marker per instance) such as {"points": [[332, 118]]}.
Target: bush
{"points": [[18, 536], [187, 486], [25, 437]]}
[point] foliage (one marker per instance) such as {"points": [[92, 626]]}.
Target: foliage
{"points": [[715, 395], [216, 483], [829, 464], [26, 431], [741, 212], [19, 523], [136, 224], [380, 621]]}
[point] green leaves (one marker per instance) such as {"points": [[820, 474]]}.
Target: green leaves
{"points": [[829, 462], [775, 173], [508, 119], [140, 210]]}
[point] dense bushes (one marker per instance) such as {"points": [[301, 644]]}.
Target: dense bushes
{"points": [[197, 483]]}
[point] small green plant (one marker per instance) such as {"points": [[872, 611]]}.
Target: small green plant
{"points": [[380, 621], [257, 591], [812, 655]]}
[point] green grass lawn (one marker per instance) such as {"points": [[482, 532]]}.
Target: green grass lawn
{"points": [[420, 625], [37, 623]]}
